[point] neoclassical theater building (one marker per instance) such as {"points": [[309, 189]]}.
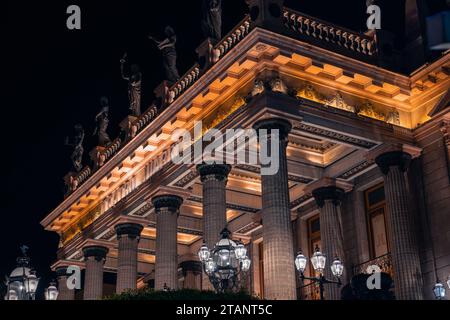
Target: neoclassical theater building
{"points": [[364, 165]]}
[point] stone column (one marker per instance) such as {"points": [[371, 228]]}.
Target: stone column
{"points": [[402, 234], [445, 129], [128, 236], [166, 266], [64, 292], [214, 180], [192, 272], [329, 200], [94, 257], [279, 271], [255, 271]]}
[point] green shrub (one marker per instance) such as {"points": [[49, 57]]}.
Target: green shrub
{"points": [[184, 294]]}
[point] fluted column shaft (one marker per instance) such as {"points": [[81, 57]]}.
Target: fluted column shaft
{"points": [[279, 272], [65, 294], [403, 243], [329, 199], [166, 267], [128, 237], [94, 257], [214, 180]]}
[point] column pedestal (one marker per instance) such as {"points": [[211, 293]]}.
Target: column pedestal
{"points": [[192, 272]]}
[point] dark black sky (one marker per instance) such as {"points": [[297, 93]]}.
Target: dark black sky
{"points": [[54, 78]]}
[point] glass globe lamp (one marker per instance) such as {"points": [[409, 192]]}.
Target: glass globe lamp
{"points": [[318, 261], [300, 262]]}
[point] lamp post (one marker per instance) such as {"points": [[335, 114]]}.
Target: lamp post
{"points": [[318, 261], [225, 262], [22, 282]]}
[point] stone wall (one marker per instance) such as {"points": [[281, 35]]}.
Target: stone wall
{"points": [[432, 175]]}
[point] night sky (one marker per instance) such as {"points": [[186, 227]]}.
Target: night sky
{"points": [[55, 77]]}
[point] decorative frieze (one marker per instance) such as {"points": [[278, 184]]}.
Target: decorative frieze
{"points": [[299, 179], [143, 210], [297, 202], [223, 113], [355, 170], [81, 224], [191, 176], [362, 108], [229, 205], [369, 110], [335, 136], [248, 228]]}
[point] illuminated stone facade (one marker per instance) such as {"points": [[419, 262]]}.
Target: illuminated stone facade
{"points": [[348, 118]]}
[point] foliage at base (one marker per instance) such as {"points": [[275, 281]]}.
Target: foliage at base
{"points": [[184, 294]]}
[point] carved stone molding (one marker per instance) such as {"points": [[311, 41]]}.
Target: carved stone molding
{"points": [[333, 193], [171, 202], [335, 136], [97, 252], [355, 170], [229, 205], [394, 158], [132, 230], [213, 171], [282, 125], [192, 175]]}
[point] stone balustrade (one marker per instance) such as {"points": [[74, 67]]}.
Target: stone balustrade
{"points": [[324, 31], [143, 120], [184, 83], [231, 39]]}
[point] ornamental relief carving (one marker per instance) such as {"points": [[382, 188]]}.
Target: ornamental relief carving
{"points": [[364, 108], [82, 224], [222, 113], [305, 91]]}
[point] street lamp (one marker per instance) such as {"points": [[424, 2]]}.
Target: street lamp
{"points": [[22, 281], [31, 282], [12, 295], [318, 261], [51, 293], [448, 282], [439, 290], [225, 262]]}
